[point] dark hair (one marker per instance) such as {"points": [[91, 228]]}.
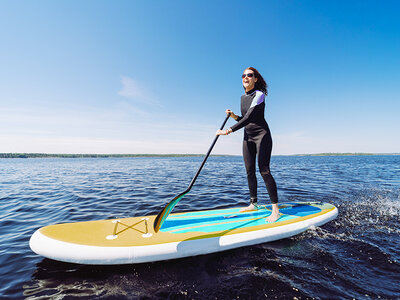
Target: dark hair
{"points": [[260, 85]]}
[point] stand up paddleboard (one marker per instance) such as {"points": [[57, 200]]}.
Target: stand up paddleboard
{"points": [[133, 240]]}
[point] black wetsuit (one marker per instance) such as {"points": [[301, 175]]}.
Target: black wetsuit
{"points": [[257, 140]]}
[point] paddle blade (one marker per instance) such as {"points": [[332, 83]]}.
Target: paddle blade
{"points": [[166, 211]]}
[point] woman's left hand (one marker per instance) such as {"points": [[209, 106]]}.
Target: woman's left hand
{"points": [[220, 132]]}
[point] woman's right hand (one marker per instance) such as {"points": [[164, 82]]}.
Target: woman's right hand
{"points": [[231, 114]]}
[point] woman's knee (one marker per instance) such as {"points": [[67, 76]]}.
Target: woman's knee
{"points": [[266, 172]]}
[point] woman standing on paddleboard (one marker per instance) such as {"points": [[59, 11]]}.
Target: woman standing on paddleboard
{"points": [[257, 138]]}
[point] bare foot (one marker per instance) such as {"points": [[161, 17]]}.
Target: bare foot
{"points": [[275, 215], [249, 208]]}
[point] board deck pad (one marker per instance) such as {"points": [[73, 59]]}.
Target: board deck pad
{"points": [[227, 219]]}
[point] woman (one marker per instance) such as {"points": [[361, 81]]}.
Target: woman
{"points": [[257, 138]]}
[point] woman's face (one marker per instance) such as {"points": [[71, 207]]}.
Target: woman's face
{"points": [[248, 80]]}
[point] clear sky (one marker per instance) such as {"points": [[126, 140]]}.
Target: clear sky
{"points": [[157, 76]]}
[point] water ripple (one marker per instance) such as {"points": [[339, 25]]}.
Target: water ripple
{"points": [[354, 256]]}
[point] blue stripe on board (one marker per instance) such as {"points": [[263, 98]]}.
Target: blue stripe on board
{"points": [[231, 218], [205, 213], [196, 218], [209, 228], [228, 219], [174, 222], [300, 210]]}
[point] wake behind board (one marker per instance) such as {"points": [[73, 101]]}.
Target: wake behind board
{"points": [[133, 240]]}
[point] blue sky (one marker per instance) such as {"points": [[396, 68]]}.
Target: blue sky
{"points": [[157, 76]]}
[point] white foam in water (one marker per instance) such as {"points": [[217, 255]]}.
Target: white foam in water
{"points": [[387, 206]]}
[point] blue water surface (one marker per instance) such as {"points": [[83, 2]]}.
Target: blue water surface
{"points": [[355, 256]]}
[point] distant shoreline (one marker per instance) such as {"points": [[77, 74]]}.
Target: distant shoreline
{"points": [[49, 155]]}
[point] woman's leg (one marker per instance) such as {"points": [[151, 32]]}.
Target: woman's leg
{"points": [[264, 156], [249, 157]]}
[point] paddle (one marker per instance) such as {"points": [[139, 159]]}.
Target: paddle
{"points": [[167, 209]]}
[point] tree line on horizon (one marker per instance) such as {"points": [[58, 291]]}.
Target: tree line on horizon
{"points": [[48, 155]]}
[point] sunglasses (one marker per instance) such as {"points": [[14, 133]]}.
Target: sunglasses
{"points": [[250, 75]]}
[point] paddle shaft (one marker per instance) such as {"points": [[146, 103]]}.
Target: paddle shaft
{"points": [[207, 155], [168, 208]]}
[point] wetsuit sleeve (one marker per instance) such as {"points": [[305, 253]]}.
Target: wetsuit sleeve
{"points": [[239, 118], [246, 119]]}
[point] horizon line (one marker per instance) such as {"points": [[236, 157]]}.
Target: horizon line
{"points": [[122, 155]]}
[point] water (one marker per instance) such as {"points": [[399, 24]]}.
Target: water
{"points": [[355, 256]]}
